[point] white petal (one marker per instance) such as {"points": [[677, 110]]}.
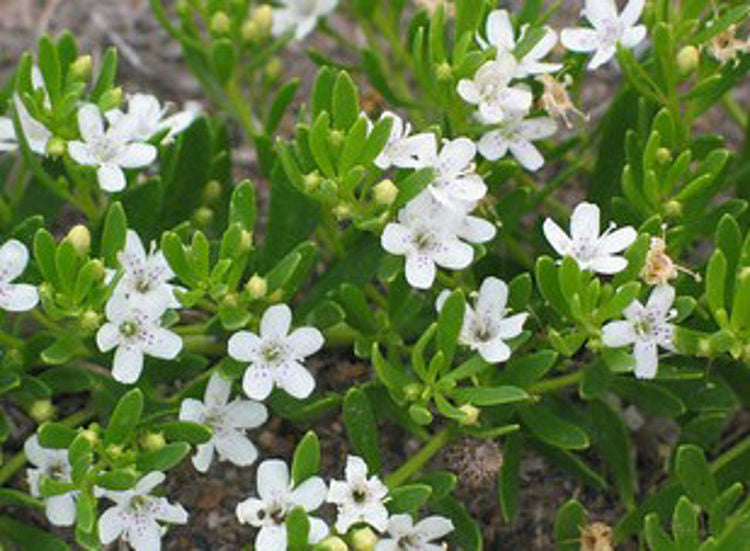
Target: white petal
{"points": [[527, 155], [457, 154], [512, 326], [618, 333], [272, 538], [420, 271], [136, 155], [454, 255], [603, 54], [107, 337], [434, 527], [272, 479], [537, 128], [34, 452], [13, 259], [396, 238], [90, 122], [133, 256], [244, 346], [18, 297], [246, 414], [81, 153], [468, 91], [600, 12], [110, 525], [257, 383], [356, 468], [544, 46], [305, 341], [149, 481], [247, 511], [556, 237], [606, 264], [493, 146], [493, 296], [387, 545], [416, 151], [7, 131], [646, 360], [163, 344], [442, 297], [580, 39], [494, 351], [295, 380], [236, 448], [400, 524], [111, 178], [310, 494], [584, 222], [167, 512], [632, 12], [127, 364], [218, 390], [499, 30], [618, 240], [192, 410], [37, 135], [276, 321], [145, 536], [660, 301], [633, 311], [633, 36]]}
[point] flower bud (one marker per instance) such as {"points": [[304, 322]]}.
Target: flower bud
{"points": [[256, 286], [336, 138], [342, 211], [220, 23], [263, 17], [673, 208], [444, 72], [274, 68], [364, 539], [471, 414], [99, 270], [110, 99], [91, 435], [704, 348], [152, 441], [246, 241], [311, 182], [80, 237], [385, 192], [333, 543], [56, 147], [114, 451], [412, 391], [42, 410], [687, 59], [80, 69], [250, 31], [230, 300], [212, 192], [13, 359], [182, 7], [663, 155], [202, 217], [90, 320]]}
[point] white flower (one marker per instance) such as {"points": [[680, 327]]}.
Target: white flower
{"points": [[429, 234], [490, 90], [134, 331], [405, 151], [60, 509], [277, 499], [37, 135], [144, 282], [275, 356], [149, 118], [8, 140], [228, 422], [135, 516], [485, 327], [109, 151], [517, 134], [610, 29], [358, 498], [406, 536], [456, 183], [15, 297], [500, 35], [592, 251], [646, 328], [300, 15]]}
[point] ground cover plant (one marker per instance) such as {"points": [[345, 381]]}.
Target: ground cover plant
{"points": [[516, 278]]}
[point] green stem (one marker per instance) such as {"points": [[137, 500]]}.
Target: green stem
{"points": [[419, 459], [203, 344], [551, 385]]}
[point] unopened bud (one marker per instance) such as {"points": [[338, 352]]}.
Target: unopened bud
{"points": [[444, 72], [336, 138], [230, 300], [90, 435], [673, 208], [202, 217], [263, 16], [98, 269], [114, 451], [212, 192], [364, 539], [687, 59], [471, 414], [274, 68], [663, 155], [90, 320], [333, 543], [256, 286], [385, 192], [110, 99], [412, 391], [220, 23], [80, 237], [56, 147], [342, 211], [80, 69], [152, 441], [41, 411], [311, 182], [13, 358], [704, 347], [246, 241], [250, 31]]}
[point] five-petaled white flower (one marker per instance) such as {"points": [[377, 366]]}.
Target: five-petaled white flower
{"points": [[135, 331], [144, 282], [592, 251], [516, 135], [135, 516], [485, 327], [53, 464], [277, 498], [275, 356], [610, 29], [300, 15], [37, 135], [490, 90], [456, 183], [500, 34], [359, 498], [429, 234], [109, 151], [407, 536], [150, 118], [229, 422], [646, 328], [15, 297], [405, 151]]}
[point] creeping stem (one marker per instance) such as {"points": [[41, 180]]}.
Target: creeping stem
{"points": [[419, 459]]}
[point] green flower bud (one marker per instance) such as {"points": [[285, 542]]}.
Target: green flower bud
{"points": [[687, 59], [412, 391], [99, 270], [246, 241], [90, 320], [13, 358], [471, 414], [342, 211], [212, 192], [385, 192], [91, 435], [220, 24], [202, 217], [311, 182], [80, 237], [663, 155], [444, 72], [57, 147], [274, 68], [110, 99], [336, 138], [673, 208], [152, 441], [333, 543], [256, 286], [250, 31], [80, 69], [263, 17], [114, 451], [364, 539], [42, 410], [230, 300]]}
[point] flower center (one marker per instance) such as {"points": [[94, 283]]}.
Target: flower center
{"points": [[275, 512], [272, 352], [128, 328], [612, 31], [105, 149], [359, 495], [424, 240], [643, 327]]}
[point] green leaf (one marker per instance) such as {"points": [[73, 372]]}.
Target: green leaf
{"points": [[164, 458], [466, 535], [242, 206], [16, 498], [362, 428], [548, 284], [570, 520], [358, 313], [490, 396], [117, 480], [45, 250], [345, 102], [49, 65], [413, 185], [657, 538], [716, 276], [28, 537], [450, 321], [56, 435], [685, 525], [695, 476], [613, 441], [408, 498], [297, 529], [509, 479], [176, 255], [125, 417], [550, 428], [281, 101], [223, 59], [306, 461], [106, 74], [183, 431], [320, 99], [320, 145]]}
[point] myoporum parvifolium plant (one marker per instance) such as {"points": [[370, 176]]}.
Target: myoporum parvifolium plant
{"points": [[433, 203]]}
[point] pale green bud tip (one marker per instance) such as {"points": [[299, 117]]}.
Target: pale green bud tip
{"points": [[42, 410], [385, 192], [274, 68], [14, 357], [364, 539], [90, 435], [263, 17], [336, 137], [182, 7], [250, 31], [80, 237], [56, 147], [311, 182], [257, 286], [663, 155], [342, 211], [412, 391], [471, 414], [114, 451], [673, 208], [333, 543], [246, 241], [99, 270], [230, 300], [90, 320], [212, 192], [704, 347], [153, 441], [81, 67], [687, 59], [203, 216], [444, 72], [220, 23], [110, 99]]}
